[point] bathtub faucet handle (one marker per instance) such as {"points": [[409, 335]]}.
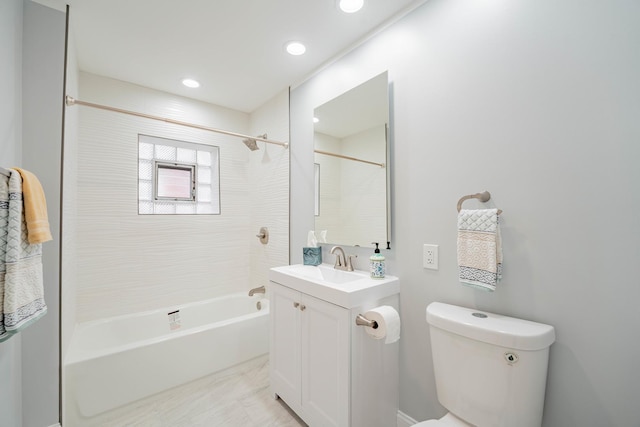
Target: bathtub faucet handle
{"points": [[258, 290]]}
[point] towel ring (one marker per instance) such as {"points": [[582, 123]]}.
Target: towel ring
{"points": [[484, 197]]}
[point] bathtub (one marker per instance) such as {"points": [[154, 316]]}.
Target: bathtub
{"points": [[115, 361]]}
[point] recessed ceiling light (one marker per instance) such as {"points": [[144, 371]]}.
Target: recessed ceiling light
{"points": [[190, 83], [351, 6], [296, 48]]}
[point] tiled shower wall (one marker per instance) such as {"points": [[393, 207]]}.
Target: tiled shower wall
{"points": [[269, 189], [69, 266], [129, 262]]}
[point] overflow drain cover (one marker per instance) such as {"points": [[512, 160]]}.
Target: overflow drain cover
{"points": [[480, 315]]}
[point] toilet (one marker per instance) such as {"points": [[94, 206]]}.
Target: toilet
{"points": [[490, 370]]}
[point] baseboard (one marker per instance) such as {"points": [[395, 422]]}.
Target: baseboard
{"points": [[55, 425], [405, 420]]}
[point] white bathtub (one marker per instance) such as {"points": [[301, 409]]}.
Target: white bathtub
{"points": [[119, 360]]}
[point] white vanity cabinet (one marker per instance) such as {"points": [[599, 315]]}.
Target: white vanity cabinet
{"points": [[309, 356], [324, 366]]}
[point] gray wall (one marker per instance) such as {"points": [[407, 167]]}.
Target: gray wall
{"points": [[10, 155], [32, 45], [43, 78], [539, 103]]}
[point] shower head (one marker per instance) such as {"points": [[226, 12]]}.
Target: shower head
{"points": [[251, 144]]}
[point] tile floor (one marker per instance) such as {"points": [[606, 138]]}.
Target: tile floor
{"points": [[236, 397]]}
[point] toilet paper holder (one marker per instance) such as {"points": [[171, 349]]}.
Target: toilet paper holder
{"points": [[363, 321]]}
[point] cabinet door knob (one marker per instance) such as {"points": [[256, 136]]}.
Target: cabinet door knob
{"points": [[296, 304], [302, 307]]}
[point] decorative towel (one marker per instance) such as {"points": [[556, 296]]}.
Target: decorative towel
{"points": [[21, 290], [479, 248], [35, 208]]}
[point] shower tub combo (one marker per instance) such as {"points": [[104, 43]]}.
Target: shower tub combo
{"points": [[116, 361]]}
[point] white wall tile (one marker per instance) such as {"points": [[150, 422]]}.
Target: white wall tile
{"points": [[269, 189], [129, 262]]}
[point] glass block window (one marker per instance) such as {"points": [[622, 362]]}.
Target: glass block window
{"points": [[177, 177]]}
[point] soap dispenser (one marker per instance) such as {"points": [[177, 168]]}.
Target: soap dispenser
{"points": [[377, 263]]}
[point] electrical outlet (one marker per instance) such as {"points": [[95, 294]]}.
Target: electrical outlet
{"points": [[430, 256]]}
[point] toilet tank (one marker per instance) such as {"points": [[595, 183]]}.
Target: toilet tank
{"points": [[490, 370]]}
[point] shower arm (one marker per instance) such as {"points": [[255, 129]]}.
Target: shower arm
{"points": [[70, 101]]}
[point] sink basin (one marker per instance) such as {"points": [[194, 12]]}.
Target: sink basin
{"points": [[344, 288], [326, 273]]}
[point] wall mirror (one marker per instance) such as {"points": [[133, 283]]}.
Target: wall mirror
{"points": [[351, 152]]}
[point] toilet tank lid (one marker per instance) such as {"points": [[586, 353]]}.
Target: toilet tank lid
{"points": [[491, 328]]}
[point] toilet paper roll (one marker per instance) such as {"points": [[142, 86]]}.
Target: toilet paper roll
{"points": [[388, 321]]}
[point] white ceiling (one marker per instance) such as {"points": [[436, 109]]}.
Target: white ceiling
{"points": [[235, 48]]}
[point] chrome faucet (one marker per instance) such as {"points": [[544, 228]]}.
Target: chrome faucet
{"points": [[259, 290], [342, 261]]}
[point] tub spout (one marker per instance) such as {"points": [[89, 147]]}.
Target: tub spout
{"points": [[259, 290]]}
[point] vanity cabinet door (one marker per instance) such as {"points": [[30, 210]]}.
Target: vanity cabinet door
{"points": [[325, 352], [284, 355]]}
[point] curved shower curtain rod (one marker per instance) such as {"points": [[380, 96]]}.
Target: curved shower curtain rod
{"points": [[72, 101]]}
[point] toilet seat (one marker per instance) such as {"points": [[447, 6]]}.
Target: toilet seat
{"points": [[448, 420]]}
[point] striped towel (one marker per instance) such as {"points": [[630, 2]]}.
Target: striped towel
{"points": [[21, 289], [479, 248]]}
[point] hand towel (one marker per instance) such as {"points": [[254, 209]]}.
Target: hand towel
{"points": [[35, 208], [21, 284], [479, 248]]}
